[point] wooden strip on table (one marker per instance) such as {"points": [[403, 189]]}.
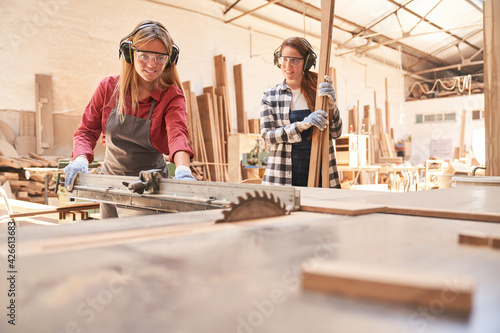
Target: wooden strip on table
{"points": [[364, 281]]}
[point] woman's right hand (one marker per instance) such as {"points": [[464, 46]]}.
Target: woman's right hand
{"points": [[79, 164]]}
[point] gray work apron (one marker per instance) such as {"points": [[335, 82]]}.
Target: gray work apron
{"points": [[129, 150]]}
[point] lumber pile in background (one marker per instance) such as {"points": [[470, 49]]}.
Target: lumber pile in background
{"points": [[27, 185], [210, 122]]}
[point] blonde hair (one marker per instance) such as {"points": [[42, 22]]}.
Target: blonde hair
{"points": [[127, 84]]}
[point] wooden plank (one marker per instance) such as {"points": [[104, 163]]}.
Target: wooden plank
{"points": [[254, 126], [187, 95], [206, 112], [201, 152], [7, 150], [443, 213], [44, 112], [319, 149], [221, 92], [216, 132], [387, 114], [237, 145], [495, 242], [27, 123], [221, 80], [8, 133], [240, 101], [340, 207], [471, 237], [222, 140], [491, 83], [461, 146], [365, 281]]}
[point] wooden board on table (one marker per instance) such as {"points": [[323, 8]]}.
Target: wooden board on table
{"points": [[461, 203], [385, 284], [339, 207]]}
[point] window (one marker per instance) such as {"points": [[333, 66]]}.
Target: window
{"points": [[477, 114], [435, 118]]}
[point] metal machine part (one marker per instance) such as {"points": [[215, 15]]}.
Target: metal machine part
{"points": [[149, 180], [176, 195], [254, 207]]}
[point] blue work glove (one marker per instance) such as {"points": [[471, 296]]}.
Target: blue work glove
{"points": [[326, 89], [79, 164], [316, 118], [183, 172]]}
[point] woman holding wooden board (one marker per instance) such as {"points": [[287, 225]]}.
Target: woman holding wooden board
{"points": [[287, 116]]}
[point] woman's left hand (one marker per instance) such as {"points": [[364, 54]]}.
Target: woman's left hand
{"points": [[326, 89], [183, 173]]}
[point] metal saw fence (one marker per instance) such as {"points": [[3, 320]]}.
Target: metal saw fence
{"points": [[176, 195]]}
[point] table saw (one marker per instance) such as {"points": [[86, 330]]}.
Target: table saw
{"points": [[182, 272]]}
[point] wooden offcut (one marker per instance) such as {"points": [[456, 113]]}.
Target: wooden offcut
{"points": [[365, 281], [474, 238]]}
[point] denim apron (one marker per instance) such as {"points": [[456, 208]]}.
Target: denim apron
{"points": [[301, 151], [129, 150]]}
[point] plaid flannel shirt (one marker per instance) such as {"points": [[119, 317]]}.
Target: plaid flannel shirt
{"points": [[279, 134]]}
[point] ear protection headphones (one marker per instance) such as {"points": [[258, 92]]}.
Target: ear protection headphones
{"points": [[127, 51], [309, 61]]}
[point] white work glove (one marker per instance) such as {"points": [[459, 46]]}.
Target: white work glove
{"points": [[183, 172], [326, 89], [79, 164], [317, 118]]}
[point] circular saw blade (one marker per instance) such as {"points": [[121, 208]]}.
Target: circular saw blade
{"points": [[254, 207]]}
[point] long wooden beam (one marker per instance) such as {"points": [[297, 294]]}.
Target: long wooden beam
{"points": [[320, 141], [491, 84]]}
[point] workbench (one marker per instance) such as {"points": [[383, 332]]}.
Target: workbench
{"points": [[181, 272]]}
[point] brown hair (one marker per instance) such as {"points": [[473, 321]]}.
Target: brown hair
{"points": [[310, 79]]}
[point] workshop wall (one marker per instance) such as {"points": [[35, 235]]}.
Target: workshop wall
{"points": [[431, 138], [77, 43]]}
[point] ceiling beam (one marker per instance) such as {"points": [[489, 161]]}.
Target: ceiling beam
{"points": [[253, 10], [473, 4], [450, 45], [459, 66], [304, 8], [431, 23], [231, 7], [374, 24]]}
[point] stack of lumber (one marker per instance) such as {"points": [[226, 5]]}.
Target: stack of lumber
{"points": [[33, 189], [31, 161], [210, 122], [21, 185]]}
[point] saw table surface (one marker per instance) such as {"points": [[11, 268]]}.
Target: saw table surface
{"points": [[183, 273]]}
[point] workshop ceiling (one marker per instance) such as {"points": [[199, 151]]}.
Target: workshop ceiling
{"points": [[429, 38]]}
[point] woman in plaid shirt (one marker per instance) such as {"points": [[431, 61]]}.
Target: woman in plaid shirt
{"points": [[286, 117]]}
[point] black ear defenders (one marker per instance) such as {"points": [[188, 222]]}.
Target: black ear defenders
{"points": [[127, 51], [309, 61]]}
